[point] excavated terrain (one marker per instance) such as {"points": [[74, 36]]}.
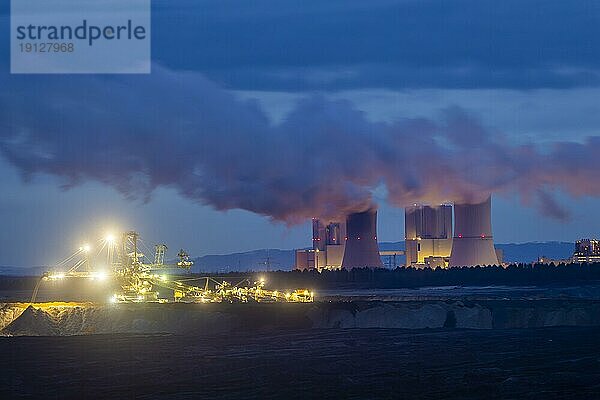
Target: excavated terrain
{"points": [[62, 319], [450, 343]]}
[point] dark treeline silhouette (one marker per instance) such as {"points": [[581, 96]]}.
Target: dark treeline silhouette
{"points": [[366, 278], [18, 282]]}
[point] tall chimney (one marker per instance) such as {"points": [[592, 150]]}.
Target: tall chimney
{"points": [[473, 243], [319, 234], [361, 243]]}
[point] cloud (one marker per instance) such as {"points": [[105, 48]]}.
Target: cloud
{"points": [[341, 44], [180, 130]]}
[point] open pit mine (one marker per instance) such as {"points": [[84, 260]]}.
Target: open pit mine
{"points": [[121, 290], [83, 318]]}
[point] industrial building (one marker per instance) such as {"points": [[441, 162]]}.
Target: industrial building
{"points": [[348, 244], [431, 241], [428, 235], [328, 245], [587, 251], [473, 243]]}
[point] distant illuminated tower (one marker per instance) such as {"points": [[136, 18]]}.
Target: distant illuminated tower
{"points": [[159, 253], [473, 243], [361, 243]]}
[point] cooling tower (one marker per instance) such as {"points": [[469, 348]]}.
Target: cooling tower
{"points": [[361, 243], [473, 243]]}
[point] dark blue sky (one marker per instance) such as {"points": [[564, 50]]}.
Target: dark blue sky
{"points": [[526, 69], [304, 45]]}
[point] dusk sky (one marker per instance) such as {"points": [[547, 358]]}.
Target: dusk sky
{"points": [[522, 72]]}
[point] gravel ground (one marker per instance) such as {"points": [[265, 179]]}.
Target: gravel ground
{"points": [[548, 363]]}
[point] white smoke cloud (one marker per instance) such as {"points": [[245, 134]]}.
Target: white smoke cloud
{"points": [[325, 158]]}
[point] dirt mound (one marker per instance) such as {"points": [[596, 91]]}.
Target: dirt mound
{"points": [[9, 312], [32, 322]]}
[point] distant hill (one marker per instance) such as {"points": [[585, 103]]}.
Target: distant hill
{"points": [[531, 251], [22, 271], [276, 259], [255, 260]]}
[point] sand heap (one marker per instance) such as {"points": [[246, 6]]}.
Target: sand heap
{"points": [[9, 312], [32, 322]]}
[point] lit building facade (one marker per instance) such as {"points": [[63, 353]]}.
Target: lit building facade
{"points": [[587, 251], [329, 242], [428, 235]]}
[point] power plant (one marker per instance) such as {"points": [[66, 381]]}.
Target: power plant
{"points": [[432, 239], [473, 243]]}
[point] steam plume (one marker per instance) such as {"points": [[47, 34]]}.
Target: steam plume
{"points": [[179, 130]]}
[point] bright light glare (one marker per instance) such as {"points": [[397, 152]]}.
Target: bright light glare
{"points": [[109, 238], [164, 278], [56, 275], [86, 248], [100, 275]]}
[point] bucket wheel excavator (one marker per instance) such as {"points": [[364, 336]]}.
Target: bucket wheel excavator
{"points": [[140, 280]]}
